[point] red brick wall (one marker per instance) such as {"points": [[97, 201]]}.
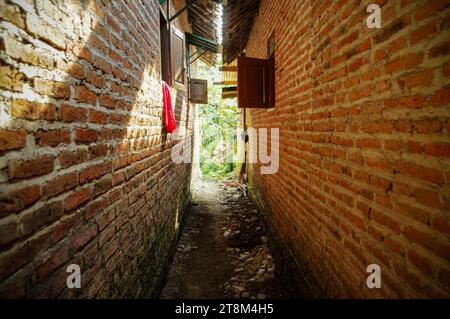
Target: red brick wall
{"points": [[86, 175], [364, 171]]}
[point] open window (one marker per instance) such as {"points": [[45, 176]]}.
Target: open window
{"points": [[178, 56], [256, 83]]}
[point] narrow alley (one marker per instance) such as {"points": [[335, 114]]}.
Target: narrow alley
{"points": [[222, 252], [321, 130]]}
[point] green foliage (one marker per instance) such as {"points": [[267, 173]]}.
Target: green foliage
{"points": [[218, 120]]}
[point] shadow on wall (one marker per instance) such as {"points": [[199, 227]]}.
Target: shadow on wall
{"points": [[86, 174]]}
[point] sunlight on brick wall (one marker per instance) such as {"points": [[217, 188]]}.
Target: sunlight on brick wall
{"points": [[86, 175]]}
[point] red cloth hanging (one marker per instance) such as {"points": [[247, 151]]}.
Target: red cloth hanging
{"points": [[170, 124]]}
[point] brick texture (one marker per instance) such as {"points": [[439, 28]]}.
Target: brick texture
{"points": [[86, 175], [364, 174]]}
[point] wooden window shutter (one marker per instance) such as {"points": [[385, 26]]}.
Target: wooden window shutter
{"points": [[178, 56], [165, 50], [256, 83], [198, 91]]}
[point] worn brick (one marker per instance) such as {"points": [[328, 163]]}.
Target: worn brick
{"points": [[11, 78], [428, 126], [51, 88], [95, 79], [406, 102], [10, 232], [429, 8], [44, 31], [424, 78], [82, 52], [404, 63], [441, 97], [33, 110], [427, 240], [10, 140], [69, 158], [94, 172], [102, 186], [13, 14], [86, 135], [69, 113], [41, 217], [27, 54], [13, 259], [423, 32], [60, 184], [94, 208], [57, 257], [83, 94], [18, 169], [103, 65], [107, 101], [429, 174], [76, 70], [98, 150], [97, 117], [18, 200], [77, 198], [441, 49], [83, 235], [52, 137]]}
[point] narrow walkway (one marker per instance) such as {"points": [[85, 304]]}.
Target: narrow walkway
{"points": [[222, 252]]}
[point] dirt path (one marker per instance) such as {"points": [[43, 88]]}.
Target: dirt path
{"points": [[222, 252]]}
